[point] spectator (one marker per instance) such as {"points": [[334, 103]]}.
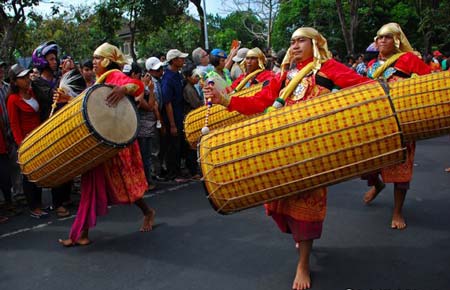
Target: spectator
{"points": [[173, 107], [236, 69], [23, 112], [45, 59], [191, 102], [87, 71], [155, 69]]}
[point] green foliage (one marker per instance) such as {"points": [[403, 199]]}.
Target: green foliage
{"points": [[181, 33], [421, 21], [162, 25]]}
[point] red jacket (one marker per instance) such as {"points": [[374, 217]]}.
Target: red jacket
{"points": [[22, 117], [337, 72]]}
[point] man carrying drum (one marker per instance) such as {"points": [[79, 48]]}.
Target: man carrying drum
{"points": [[308, 71], [121, 179], [255, 70], [396, 60]]}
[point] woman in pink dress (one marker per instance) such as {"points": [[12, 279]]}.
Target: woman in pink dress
{"points": [[120, 180]]}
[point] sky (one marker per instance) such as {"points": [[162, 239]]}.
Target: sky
{"points": [[44, 7]]}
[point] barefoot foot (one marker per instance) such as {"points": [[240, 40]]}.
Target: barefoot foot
{"points": [[370, 195], [302, 279], [147, 224], [398, 222], [66, 243], [70, 243]]}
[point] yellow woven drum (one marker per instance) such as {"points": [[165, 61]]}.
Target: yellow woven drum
{"points": [[83, 134], [423, 105], [219, 117], [316, 143]]}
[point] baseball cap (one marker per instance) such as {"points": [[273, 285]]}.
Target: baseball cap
{"points": [[153, 63], [218, 52], [174, 53], [18, 71], [437, 53], [126, 68], [241, 53]]}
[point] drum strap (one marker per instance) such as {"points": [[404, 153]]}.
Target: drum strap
{"points": [[402, 74], [324, 82]]}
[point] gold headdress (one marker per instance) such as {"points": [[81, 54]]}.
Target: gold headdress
{"points": [[111, 54], [320, 47], [400, 41], [256, 52]]}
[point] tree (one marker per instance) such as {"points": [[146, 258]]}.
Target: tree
{"points": [[265, 10], [12, 17], [200, 12], [353, 25], [182, 33], [146, 16]]}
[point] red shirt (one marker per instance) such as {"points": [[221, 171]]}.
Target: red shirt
{"points": [[22, 117], [408, 63], [265, 75], [337, 72]]}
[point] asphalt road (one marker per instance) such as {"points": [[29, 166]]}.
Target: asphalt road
{"points": [[192, 247]]}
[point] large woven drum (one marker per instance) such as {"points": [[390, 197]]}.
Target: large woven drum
{"points": [[316, 143], [219, 117], [83, 134], [423, 105]]}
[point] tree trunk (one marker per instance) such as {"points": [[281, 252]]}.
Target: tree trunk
{"points": [[198, 5], [348, 33]]}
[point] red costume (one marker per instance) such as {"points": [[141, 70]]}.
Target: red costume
{"points": [[301, 214], [265, 75], [120, 180], [404, 67]]}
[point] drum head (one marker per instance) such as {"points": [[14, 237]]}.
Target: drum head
{"points": [[116, 126]]}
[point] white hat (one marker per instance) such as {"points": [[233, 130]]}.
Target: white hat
{"points": [[241, 53], [153, 63], [126, 68], [174, 53]]}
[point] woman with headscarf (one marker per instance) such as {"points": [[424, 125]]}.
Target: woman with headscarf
{"points": [[120, 180], [396, 60], [308, 71]]}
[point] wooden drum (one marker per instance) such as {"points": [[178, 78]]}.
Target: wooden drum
{"points": [[316, 143], [423, 105], [83, 134], [219, 117]]}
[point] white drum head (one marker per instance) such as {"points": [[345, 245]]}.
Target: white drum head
{"points": [[117, 125]]}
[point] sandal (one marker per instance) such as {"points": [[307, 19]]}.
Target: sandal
{"points": [[62, 212]]}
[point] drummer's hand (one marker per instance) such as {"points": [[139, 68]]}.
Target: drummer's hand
{"points": [[67, 65], [210, 92], [116, 95], [139, 99], [61, 97]]}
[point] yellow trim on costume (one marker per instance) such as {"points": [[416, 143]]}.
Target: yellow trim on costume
{"points": [[246, 79], [102, 78], [296, 80], [387, 64]]}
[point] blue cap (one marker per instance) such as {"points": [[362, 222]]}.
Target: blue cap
{"points": [[218, 52]]}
